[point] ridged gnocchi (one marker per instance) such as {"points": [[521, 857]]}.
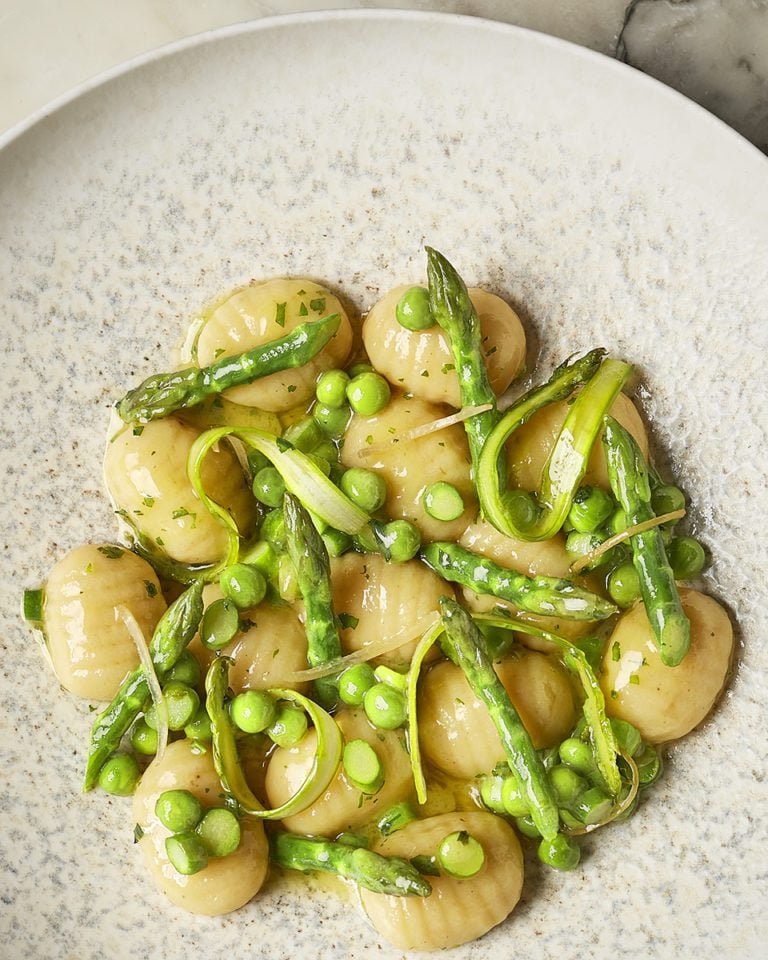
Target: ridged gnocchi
{"points": [[457, 734], [146, 475], [665, 703], [421, 361], [342, 806], [456, 911], [90, 647], [266, 311], [227, 883], [410, 467]]}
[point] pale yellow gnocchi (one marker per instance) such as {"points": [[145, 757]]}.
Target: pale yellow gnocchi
{"points": [[90, 646], [421, 361], [267, 311]]}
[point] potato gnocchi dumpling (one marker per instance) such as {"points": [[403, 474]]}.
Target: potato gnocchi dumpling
{"points": [[90, 647], [457, 910], [456, 731], [227, 883], [665, 703], [146, 474], [267, 311], [411, 466], [343, 806], [421, 361]]}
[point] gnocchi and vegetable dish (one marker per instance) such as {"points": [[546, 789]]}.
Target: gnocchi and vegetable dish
{"points": [[373, 610]]}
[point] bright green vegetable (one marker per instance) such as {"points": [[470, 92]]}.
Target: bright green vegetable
{"points": [[253, 711], [627, 736], [513, 801], [442, 501], [460, 855], [181, 704], [144, 738], [548, 596], [332, 421], [186, 670], [313, 571], [396, 818], [220, 623], [412, 310], [465, 643], [289, 726], [576, 753], [244, 584], [590, 508], [199, 727], [385, 706], [163, 393], [389, 875], [178, 810], [186, 853], [593, 806], [567, 784], [119, 775], [368, 393], [331, 388], [366, 488], [268, 487], [305, 435], [355, 682], [452, 309], [362, 766], [666, 498], [629, 478], [686, 557], [175, 629], [219, 831], [624, 585], [561, 852], [567, 463]]}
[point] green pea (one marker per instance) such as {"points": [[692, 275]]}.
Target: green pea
{"points": [[362, 766], [562, 852], [199, 727], [666, 499], [580, 544], [182, 703], [321, 463], [289, 727], [649, 764], [412, 310], [402, 539], [355, 682], [120, 774], [567, 784], [144, 738], [460, 854], [269, 487], [336, 542], [527, 827], [490, 792], [686, 557], [627, 736], [186, 853], [365, 488], [624, 585], [577, 754], [243, 584], [257, 461], [219, 625], [590, 509], [521, 507], [178, 810], [331, 420], [512, 798], [385, 706], [498, 641], [326, 450], [368, 394], [617, 522], [331, 388], [357, 368], [253, 711], [442, 501], [593, 806], [219, 831], [304, 434], [186, 670]]}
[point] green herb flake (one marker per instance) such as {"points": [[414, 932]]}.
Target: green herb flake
{"points": [[219, 351], [616, 651], [490, 353], [424, 373], [447, 367], [369, 439], [151, 589], [291, 388], [303, 312], [634, 678], [280, 314], [148, 501], [348, 621], [318, 304], [138, 430], [180, 513], [283, 444], [138, 833], [110, 552]]}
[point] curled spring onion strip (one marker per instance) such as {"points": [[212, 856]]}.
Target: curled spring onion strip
{"points": [[301, 476], [155, 690], [425, 429], [606, 545], [227, 762], [414, 749], [377, 648]]}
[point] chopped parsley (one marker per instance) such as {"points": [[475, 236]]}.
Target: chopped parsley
{"points": [[280, 314]]}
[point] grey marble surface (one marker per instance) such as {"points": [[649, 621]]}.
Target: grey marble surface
{"points": [[713, 51]]}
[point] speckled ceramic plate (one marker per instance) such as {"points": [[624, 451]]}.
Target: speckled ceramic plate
{"points": [[609, 210]]}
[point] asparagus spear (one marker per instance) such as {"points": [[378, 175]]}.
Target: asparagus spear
{"points": [[313, 572], [390, 875], [548, 596], [464, 641], [568, 461], [175, 629], [453, 310], [631, 486], [163, 393]]}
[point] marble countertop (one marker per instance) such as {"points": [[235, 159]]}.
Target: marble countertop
{"points": [[714, 51]]}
